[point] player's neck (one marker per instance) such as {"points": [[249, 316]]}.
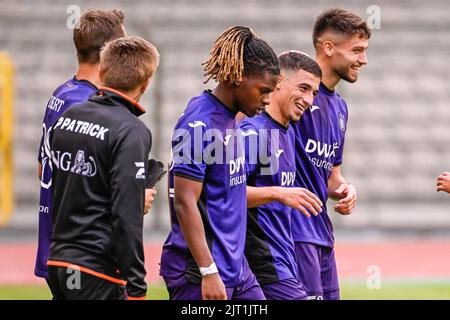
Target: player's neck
{"points": [[89, 72], [274, 111], [329, 77], [222, 92], [133, 95]]}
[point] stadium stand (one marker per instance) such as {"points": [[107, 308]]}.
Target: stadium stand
{"points": [[398, 140]]}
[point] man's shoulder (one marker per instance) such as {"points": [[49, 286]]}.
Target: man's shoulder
{"points": [[324, 100], [198, 113], [256, 123], [127, 121], [341, 105], [336, 95], [74, 91], [132, 131]]}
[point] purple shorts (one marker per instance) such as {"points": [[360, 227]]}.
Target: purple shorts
{"points": [[317, 271], [181, 289], [288, 289]]}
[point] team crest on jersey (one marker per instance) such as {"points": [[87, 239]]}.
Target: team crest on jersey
{"points": [[342, 124]]}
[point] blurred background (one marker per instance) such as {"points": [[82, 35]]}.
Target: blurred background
{"points": [[397, 143]]}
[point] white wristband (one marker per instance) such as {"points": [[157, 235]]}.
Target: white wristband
{"points": [[208, 270]]}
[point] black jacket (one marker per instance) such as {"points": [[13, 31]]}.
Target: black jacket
{"points": [[99, 156]]}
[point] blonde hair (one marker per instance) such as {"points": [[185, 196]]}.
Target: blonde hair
{"points": [[125, 63]]}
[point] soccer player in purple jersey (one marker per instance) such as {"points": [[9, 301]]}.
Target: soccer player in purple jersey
{"points": [[203, 257], [95, 29], [271, 193], [341, 41]]}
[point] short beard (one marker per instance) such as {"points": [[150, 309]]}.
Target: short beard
{"points": [[344, 75]]}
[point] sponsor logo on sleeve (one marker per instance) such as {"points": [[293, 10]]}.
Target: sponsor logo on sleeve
{"points": [[314, 108], [140, 174]]}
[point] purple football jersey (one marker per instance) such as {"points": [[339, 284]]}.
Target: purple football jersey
{"points": [[270, 245], [71, 92], [319, 144], [207, 149]]}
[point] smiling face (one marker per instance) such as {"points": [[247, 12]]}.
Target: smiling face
{"points": [[348, 56], [295, 93], [252, 94]]}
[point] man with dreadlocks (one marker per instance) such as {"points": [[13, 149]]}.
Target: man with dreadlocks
{"points": [[203, 257]]}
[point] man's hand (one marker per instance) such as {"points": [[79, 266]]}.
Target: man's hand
{"points": [[213, 288], [301, 199], [347, 194], [148, 201], [443, 182]]}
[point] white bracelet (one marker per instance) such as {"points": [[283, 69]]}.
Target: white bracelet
{"points": [[208, 270]]}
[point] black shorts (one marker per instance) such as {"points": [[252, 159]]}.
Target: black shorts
{"points": [[68, 284]]}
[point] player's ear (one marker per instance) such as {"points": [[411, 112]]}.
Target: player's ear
{"points": [[145, 84], [245, 79], [142, 88], [328, 48], [281, 78]]}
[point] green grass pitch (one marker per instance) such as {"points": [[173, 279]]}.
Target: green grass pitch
{"points": [[350, 290]]}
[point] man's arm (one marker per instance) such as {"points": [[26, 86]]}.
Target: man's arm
{"points": [[342, 191], [39, 170], [298, 198], [187, 194], [130, 149]]}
